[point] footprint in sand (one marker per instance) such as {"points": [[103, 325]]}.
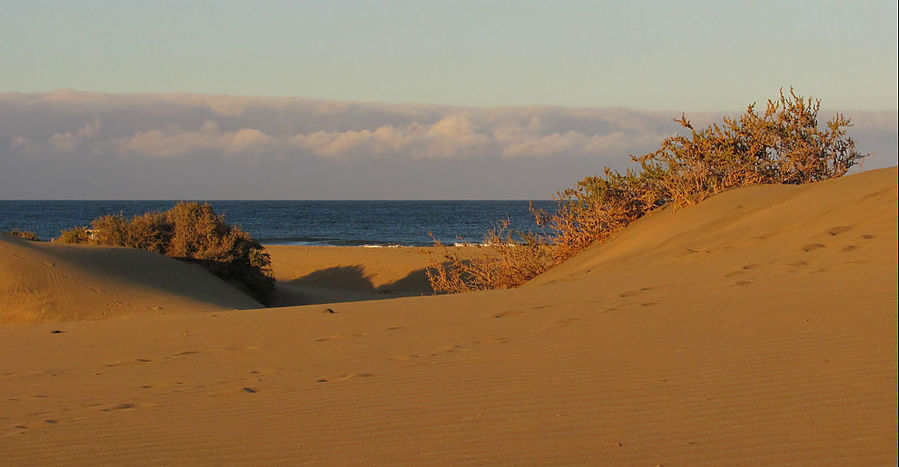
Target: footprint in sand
{"points": [[344, 377], [743, 270], [812, 247], [838, 230], [506, 314], [337, 337], [125, 406]]}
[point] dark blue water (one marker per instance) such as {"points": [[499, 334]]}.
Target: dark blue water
{"points": [[335, 223]]}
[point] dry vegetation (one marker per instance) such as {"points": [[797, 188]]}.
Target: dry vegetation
{"points": [[23, 234], [783, 144], [192, 232]]}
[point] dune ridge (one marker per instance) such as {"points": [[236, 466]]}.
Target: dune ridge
{"points": [[42, 282], [759, 327]]}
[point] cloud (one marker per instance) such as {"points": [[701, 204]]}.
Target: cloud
{"points": [[178, 125], [57, 142], [180, 143], [186, 137]]}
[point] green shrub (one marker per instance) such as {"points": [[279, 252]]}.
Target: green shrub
{"points": [[24, 234], [781, 145], [192, 232]]}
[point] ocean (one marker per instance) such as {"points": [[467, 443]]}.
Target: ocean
{"points": [[334, 223]]}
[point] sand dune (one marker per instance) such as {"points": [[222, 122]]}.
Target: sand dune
{"points": [[310, 275], [759, 327], [46, 282]]}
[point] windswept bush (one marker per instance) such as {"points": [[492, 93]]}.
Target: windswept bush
{"points": [[75, 235], [509, 259], [783, 145], [191, 232], [23, 234]]}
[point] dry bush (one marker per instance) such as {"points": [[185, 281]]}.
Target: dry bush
{"points": [[150, 231], [192, 232], [109, 230], [23, 234], [232, 254], [597, 208], [75, 235], [508, 260], [781, 145]]}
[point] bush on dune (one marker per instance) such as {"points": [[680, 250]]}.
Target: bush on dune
{"points": [[23, 234], [191, 232], [509, 259], [782, 145]]}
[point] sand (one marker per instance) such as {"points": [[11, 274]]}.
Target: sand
{"points": [[310, 275], [756, 328], [41, 281]]}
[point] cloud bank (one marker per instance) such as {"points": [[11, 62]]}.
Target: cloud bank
{"points": [[68, 144]]}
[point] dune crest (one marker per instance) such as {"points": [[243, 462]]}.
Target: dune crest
{"points": [[41, 282]]}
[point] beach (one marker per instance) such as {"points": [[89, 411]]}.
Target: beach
{"points": [[757, 327]]}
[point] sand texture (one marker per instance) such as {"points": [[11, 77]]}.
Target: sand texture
{"points": [[309, 275], [759, 327], [42, 282]]}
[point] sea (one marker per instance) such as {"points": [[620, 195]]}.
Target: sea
{"points": [[319, 223]]}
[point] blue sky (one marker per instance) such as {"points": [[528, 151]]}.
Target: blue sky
{"points": [[648, 55]]}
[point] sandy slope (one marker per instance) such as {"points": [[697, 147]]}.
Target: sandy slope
{"points": [[46, 282], [757, 328], [308, 275], [311, 275]]}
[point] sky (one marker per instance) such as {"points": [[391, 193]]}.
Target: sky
{"points": [[404, 99]]}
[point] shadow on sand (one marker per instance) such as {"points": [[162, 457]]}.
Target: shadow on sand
{"points": [[346, 284]]}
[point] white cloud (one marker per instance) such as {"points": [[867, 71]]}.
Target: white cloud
{"points": [[330, 142], [178, 125], [57, 142], [180, 143]]}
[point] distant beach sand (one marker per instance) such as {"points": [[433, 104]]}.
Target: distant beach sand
{"points": [[758, 327]]}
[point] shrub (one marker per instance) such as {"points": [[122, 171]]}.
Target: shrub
{"points": [[192, 232], [150, 231], [508, 260], [109, 230], [75, 235], [781, 145], [24, 234]]}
